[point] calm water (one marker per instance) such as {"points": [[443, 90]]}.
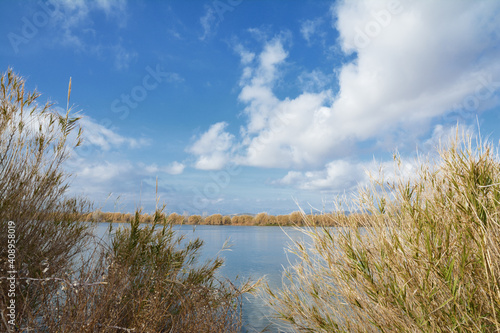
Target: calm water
{"points": [[255, 252]]}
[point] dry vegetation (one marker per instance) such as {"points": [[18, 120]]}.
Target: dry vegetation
{"points": [[261, 219], [146, 280], [428, 260]]}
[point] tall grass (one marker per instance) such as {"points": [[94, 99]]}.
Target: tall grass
{"points": [[428, 260], [35, 141]]}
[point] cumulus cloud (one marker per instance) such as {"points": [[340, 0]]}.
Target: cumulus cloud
{"points": [[415, 62], [279, 133], [212, 148], [411, 64]]}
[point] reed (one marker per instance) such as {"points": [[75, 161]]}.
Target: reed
{"points": [[147, 280], [35, 141], [428, 259]]}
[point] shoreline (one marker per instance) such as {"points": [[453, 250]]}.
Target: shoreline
{"points": [[295, 219]]}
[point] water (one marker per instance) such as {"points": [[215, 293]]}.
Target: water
{"points": [[255, 252]]}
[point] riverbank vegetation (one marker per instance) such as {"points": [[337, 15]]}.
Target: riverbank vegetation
{"points": [[55, 276], [428, 261], [262, 219]]}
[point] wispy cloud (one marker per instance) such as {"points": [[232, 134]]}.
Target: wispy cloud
{"points": [[104, 171], [214, 15], [310, 28], [209, 23], [344, 175], [112, 7], [73, 26], [174, 168], [75, 17], [128, 179], [315, 80], [123, 57], [105, 138]]}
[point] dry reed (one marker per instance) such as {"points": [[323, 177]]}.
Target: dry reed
{"points": [[428, 259]]}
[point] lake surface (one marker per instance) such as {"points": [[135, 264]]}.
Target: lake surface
{"points": [[255, 252]]}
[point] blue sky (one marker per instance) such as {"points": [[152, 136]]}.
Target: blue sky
{"points": [[240, 106]]}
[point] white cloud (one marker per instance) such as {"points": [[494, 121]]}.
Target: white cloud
{"points": [[105, 138], [106, 171], [101, 179], [443, 135], [212, 147], [74, 26], [315, 80], [309, 28], [343, 175], [174, 168], [112, 7], [208, 22], [420, 61], [337, 175], [412, 65], [123, 57], [246, 56], [416, 66]]}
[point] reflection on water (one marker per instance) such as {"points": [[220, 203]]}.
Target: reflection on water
{"points": [[255, 252]]}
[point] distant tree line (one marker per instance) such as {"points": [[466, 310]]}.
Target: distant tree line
{"points": [[262, 219]]}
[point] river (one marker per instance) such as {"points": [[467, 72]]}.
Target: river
{"points": [[255, 252]]}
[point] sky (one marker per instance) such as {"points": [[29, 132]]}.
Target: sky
{"points": [[247, 106]]}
